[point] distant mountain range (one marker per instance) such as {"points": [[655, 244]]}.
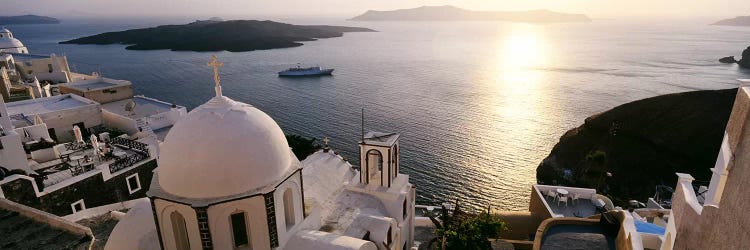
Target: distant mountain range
{"points": [[234, 36], [452, 13], [27, 19], [737, 21]]}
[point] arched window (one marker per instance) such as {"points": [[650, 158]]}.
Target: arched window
{"points": [[389, 236], [240, 234], [179, 229], [395, 162], [289, 208], [374, 164], [405, 208]]}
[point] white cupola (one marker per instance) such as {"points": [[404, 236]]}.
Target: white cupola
{"points": [[10, 44], [223, 148]]}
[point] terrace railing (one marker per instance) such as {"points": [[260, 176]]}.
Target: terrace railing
{"points": [[127, 161], [74, 146], [140, 149], [131, 144]]}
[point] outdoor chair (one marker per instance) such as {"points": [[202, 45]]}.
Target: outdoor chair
{"points": [[562, 199], [552, 194]]}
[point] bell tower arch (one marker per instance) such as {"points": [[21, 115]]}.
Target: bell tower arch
{"points": [[379, 159]]}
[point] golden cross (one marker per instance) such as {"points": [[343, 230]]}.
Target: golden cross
{"points": [[215, 64]]}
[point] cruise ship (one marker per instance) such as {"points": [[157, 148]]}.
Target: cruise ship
{"points": [[311, 71]]}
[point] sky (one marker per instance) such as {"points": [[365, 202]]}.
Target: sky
{"points": [[349, 8]]}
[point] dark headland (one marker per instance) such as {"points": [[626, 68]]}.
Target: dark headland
{"points": [[642, 144], [452, 13], [233, 36], [744, 62], [737, 21], [27, 19]]}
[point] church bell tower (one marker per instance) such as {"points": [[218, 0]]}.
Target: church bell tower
{"points": [[379, 159]]}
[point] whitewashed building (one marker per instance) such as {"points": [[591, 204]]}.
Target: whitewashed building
{"points": [[227, 179]]}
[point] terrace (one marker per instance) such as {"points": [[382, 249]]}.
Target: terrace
{"points": [[571, 202], [76, 159]]}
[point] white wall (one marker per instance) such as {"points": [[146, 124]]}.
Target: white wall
{"points": [[122, 123], [163, 210], [293, 183], [40, 69], [219, 222], [12, 156]]}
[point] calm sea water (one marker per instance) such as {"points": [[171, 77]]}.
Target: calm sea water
{"points": [[478, 104]]}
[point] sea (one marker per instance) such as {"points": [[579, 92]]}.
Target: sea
{"points": [[478, 104]]}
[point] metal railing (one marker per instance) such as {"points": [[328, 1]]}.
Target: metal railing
{"points": [[127, 161], [140, 149], [130, 144]]}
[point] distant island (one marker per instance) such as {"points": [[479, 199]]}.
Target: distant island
{"points": [[27, 19], [629, 150], [744, 62], [452, 13], [233, 36], [737, 21]]}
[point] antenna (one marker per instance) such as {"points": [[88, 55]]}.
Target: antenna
{"points": [[363, 123]]}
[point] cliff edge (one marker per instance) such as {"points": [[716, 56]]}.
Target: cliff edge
{"points": [[626, 151]]}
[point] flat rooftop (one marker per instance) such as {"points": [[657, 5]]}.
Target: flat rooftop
{"points": [[47, 104], [144, 107], [96, 83]]}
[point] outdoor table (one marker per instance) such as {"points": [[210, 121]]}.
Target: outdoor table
{"points": [[562, 191], [77, 158]]}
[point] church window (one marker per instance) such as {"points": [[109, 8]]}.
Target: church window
{"points": [[289, 208], [134, 183], [405, 209], [179, 229], [78, 206], [395, 162], [389, 237], [240, 235]]}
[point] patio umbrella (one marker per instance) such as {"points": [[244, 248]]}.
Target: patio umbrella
{"points": [[95, 143], [78, 134], [37, 120]]}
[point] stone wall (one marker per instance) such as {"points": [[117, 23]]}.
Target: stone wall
{"points": [[722, 226], [93, 190]]}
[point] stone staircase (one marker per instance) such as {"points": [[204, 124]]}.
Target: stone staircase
{"points": [[143, 126]]}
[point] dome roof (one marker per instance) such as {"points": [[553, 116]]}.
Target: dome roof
{"points": [[223, 148], [7, 41]]}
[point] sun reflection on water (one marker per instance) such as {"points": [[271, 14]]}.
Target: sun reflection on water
{"points": [[515, 99]]}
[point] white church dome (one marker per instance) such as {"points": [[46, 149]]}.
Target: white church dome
{"points": [[223, 148], [7, 41]]}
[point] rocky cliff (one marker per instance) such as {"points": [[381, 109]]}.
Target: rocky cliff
{"points": [[626, 151]]}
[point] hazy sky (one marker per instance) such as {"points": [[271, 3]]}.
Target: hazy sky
{"points": [[345, 8]]}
